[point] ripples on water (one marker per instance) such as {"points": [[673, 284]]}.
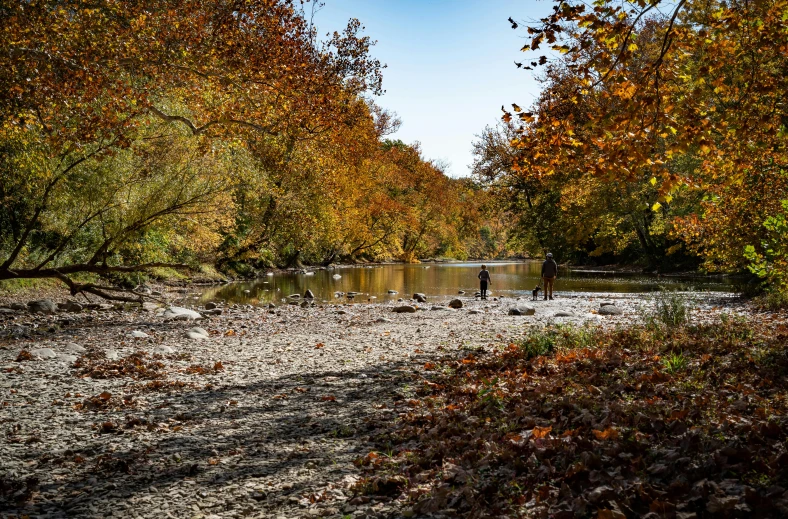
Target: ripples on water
{"points": [[509, 279]]}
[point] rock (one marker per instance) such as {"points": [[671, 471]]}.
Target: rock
{"points": [[271, 305], [383, 320], [111, 355], [404, 309], [210, 306], [17, 306], [247, 291], [308, 294], [43, 353], [74, 348], [455, 303], [400, 300], [294, 296], [461, 292], [563, 314], [421, 298], [42, 306], [606, 303], [392, 292], [178, 313], [610, 310], [353, 293], [197, 333], [150, 307], [438, 308], [7, 311], [139, 335], [336, 276], [163, 350], [215, 311], [70, 306], [474, 312], [522, 310], [307, 304]]}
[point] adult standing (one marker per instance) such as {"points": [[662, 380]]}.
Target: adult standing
{"points": [[549, 273]]}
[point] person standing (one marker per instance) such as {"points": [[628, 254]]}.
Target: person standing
{"points": [[484, 280], [549, 273]]}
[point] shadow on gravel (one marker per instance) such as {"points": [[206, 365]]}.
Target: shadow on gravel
{"points": [[217, 437]]}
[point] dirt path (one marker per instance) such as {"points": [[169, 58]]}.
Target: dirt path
{"points": [[263, 418]]}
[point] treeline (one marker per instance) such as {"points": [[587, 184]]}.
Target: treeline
{"points": [[139, 135], [659, 137]]}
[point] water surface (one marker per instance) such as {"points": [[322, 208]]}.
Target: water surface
{"points": [[509, 279]]}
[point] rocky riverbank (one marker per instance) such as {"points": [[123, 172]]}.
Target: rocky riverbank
{"points": [[242, 412]]}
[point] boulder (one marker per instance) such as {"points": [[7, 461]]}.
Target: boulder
{"points": [[522, 310], [197, 333], [455, 303], [308, 294], [139, 335], [70, 306], [43, 353], [42, 306], [404, 309], [610, 310], [74, 348], [210, 306], [178, 313]]}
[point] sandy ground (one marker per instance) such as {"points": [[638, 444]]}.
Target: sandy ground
{"points": [[263, 418]]}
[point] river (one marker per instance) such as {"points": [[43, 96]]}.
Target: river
{"points": [[509, 279]]}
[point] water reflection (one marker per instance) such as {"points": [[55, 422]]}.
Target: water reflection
{"points": [[512, 279]]}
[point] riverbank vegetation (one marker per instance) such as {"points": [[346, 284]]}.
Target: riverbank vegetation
{"points": [[675, 421], [137, 136], [659, 137]]}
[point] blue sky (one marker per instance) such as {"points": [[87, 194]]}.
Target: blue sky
{"points": [[450, 65]]}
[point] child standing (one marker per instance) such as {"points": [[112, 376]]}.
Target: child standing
{"points": [[484, 280]]}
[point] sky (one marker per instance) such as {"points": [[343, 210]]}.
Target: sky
{"points": [[450, 65]]}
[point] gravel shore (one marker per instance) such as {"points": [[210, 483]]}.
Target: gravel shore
{"points": [[255, 412]]}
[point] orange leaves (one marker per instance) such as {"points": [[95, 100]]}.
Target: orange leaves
{"points": [[429, 366], [611, 433], [319, 345], [328, 398], [541, 432]]}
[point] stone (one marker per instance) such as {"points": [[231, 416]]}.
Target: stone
{"points": [[215, 311], [17, 306], [354, 293], [392, 292], [421, 298], [176, 312], [42, 306], [308, 294], [210, 306], [461, 292], [112, 355], [70, 306], [197, 333], [43, 353], [474, 312], [74, 348], [563, 314], [383, 320], [404, 309], [610, 310], [522, 310], [271, 305], [606, 303], [455, 303], [294, 296], [163, 350], [438, 308], [139, 335], [7, 311], [307, 304], [150, 307]]}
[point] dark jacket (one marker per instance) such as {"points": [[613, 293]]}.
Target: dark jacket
{"points": [[549, 268], [484, 275]]}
